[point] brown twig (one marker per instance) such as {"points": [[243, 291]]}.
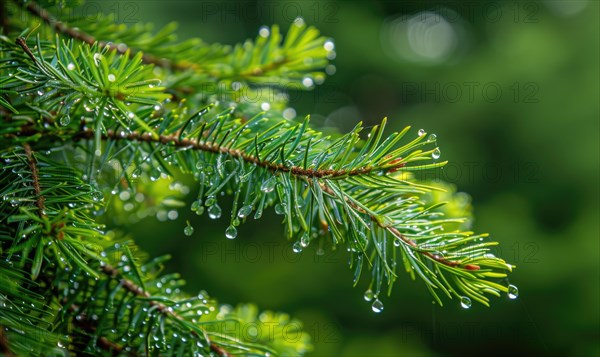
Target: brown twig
{"points": [[4, 22], [77, 34], [162, 308], [35, 180], [88, 325], [21, 42], [4, 345], [399, 235], [174, 141], [122, 48]]}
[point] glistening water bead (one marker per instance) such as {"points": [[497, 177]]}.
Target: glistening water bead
{"points": [[64, 120], [513, 292], [280, 209], [97, 196], [465, 302], [368, 295], [214, 211], [210, 201], [421, 132], [269, 185], [297, 247], [377, 306], [231, 232], [305, 240], [244, 211], [188, 230], [436, 153]]}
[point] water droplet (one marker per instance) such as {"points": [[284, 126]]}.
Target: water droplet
{"points": [[64, 120], [199, 165], [397, 242], [377, 306], [421, 132], [195, 205], [431, 138], [436, 153], [280, 209], [97, 58], [307, 82], [289, 113], [297, 247], [465, 302], [244, 211], [305, 240], [71, 66], [210, 201], [513, 292], [112, 78], [363, 238], [368, 295], [231, 232], [124, 195], [328, 45], [269, 185], [97, 196], [214, 211], [264, 31]]}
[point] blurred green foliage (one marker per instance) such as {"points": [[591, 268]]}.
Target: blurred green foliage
{"points": [[515, 104]]}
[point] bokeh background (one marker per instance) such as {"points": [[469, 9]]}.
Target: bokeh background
{"points": [[512, 91]]}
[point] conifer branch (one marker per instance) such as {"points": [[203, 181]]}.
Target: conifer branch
{"points": [[396, 233], [222, 63], [81, 103], [175, 141], [122, 48], [211, 147], [139, 291], [83, 322], [60, 27]]}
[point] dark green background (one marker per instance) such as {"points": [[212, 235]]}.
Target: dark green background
{"points": [[528, 156]]}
